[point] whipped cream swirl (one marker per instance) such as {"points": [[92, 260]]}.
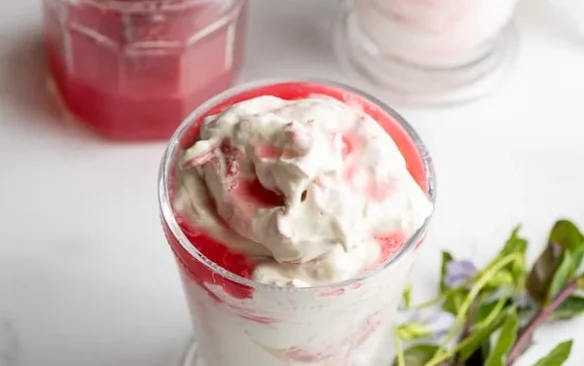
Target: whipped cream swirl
{"points": [[308, 188]]}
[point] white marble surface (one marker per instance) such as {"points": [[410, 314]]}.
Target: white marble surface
{"points": [[85, 275]]}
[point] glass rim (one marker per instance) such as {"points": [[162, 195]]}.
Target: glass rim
{"points": [[145, 6], [173, 146]]}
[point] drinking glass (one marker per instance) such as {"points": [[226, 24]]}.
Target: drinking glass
{"points": [[240, 322]]}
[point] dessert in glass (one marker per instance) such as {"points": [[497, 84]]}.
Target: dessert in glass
{"points": [[294, 210], [428, 51], [134, 69]]}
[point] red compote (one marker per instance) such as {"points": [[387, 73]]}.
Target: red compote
{"points": [[134, 69]]}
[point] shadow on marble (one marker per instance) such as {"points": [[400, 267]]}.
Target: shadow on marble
{"points": [[10, 348]]}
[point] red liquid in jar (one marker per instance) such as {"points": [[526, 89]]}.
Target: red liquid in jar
{"points": [[135, 72], [237, 263]]}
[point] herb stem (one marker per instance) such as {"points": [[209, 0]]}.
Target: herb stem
{"points": [[526, 333], [493, 314], [465, 284], [467, 327], [440, 297], [470, 319], [401, 359], [481, 282], [451, 353]]}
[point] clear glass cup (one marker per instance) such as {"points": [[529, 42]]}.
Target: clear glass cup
{"points": [[134, 69], [434, 51], [240, 322]]}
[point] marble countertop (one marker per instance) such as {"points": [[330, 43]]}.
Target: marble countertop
{"points": [[86, 277]]}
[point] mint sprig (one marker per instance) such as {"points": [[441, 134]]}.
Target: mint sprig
{"points": [[557, 356], [498, 308]]}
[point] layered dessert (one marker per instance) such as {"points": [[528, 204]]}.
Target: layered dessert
{"points": [[134, 69], [295, 212], [436, 33]]}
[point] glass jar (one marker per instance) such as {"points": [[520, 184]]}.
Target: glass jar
{"points": [[240, 322], [428, 51], [133, 69]]}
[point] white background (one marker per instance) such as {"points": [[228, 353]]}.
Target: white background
{"points": [[86, 277]]}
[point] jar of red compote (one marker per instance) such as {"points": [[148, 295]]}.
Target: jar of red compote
{"points": [[134, 69]]}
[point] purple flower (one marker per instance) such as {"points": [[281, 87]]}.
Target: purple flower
{"points": [[458, 272], [440, 322]]}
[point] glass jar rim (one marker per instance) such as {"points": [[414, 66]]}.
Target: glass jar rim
{"points": [[173, 147], [146, 6]]}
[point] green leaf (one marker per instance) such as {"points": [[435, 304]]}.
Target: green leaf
{"points": [[516, 244], [577, 261], [543, 271], [411, 331], [419, 355], [507, 336], [563, 254], [501, 279], [489, 310], [454, 300], [569, 237], [484, 311], [580, 282], [570, 308], [407, 296], [557, 356], [477, 338], [446, 258], [561, 276]]}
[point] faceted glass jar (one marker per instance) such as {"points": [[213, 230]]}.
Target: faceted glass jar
{"points": [[241, 322], [133, 69]]}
